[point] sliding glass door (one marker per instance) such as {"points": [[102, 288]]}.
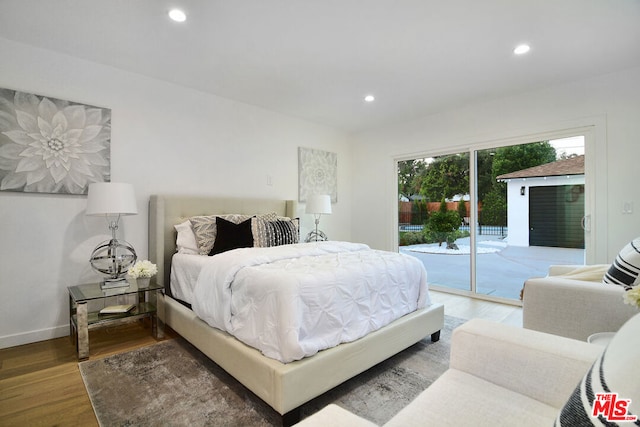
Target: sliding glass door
{"points": [[484, 221]]}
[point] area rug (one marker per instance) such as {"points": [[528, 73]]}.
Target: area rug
{"points": [[173, 384]]}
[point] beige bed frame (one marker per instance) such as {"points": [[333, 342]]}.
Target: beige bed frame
{"points": [[285, 387]]}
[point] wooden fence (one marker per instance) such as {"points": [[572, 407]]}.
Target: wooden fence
{"points": [[405, 209]]}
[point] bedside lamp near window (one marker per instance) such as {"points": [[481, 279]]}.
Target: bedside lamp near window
{"points": [[112, 257], [318, 205]]}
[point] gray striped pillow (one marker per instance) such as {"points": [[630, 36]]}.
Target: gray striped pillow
{"points": [[626, 267], [282, 232], [616, 371]]}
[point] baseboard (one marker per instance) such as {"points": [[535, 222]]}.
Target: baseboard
{"points": [[34, 336]]}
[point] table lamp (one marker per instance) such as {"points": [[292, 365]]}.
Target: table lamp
{"points": [[112, 257], [318, 205]]}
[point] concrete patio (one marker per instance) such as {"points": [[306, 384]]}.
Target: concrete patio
{"points": [[501, 269]]}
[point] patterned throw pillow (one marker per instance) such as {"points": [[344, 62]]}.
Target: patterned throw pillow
{"points": [[282, 232], [609, 393], [626, 267], [204, 227], [274, 231], [259, 228]]}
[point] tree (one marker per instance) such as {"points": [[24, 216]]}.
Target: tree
{"points": [[443, 224], [484, 172], [410, 174], [494, 207], [419, 212], [462, 209], [523, 156], [506, 160], [446, 176]]}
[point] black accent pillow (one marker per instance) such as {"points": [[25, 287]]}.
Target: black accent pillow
{"points": [[232, 236]]}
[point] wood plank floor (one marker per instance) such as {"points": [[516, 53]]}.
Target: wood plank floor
{"points": [[41, 385], [469, 308]]}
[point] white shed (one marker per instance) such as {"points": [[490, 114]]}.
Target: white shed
{"points": [[545, 204]]}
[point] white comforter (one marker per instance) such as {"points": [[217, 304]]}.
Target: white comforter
{"points": [[292, 301]]}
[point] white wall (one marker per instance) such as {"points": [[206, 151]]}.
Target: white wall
{"points": [[165, 139], [607, 104]]}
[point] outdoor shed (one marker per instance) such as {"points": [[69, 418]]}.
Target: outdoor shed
{"points": [[545, 204]]}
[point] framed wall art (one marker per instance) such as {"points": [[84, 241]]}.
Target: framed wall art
{"points": [[317, 173], [49, 145]]}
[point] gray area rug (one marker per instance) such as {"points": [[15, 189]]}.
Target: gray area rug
{"points": [[173, 384]]}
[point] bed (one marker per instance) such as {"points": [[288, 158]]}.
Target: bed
{"points": [[283, 386]]}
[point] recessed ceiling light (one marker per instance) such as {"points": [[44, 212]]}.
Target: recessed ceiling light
{"points": [[369, 98], [177, 15], [522, 49]]}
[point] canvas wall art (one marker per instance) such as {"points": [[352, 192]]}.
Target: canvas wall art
{"points": [[49, 145], [317, 173]]}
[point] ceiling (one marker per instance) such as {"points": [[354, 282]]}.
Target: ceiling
{"points": [[317, 59]]}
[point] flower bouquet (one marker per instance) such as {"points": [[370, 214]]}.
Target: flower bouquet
{"points": [[632, 296], [142, 271]]}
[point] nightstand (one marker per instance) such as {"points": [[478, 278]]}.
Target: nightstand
{"points": [[81, 320]]}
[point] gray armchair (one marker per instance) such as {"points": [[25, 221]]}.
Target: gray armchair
{"points": [[572, 301]]}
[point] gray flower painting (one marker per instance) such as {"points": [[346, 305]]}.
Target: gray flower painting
{"points": [[317, 173], [50, 145]]}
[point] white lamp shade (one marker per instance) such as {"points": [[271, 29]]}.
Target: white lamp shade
{"points": [[319, 204], [111, 198]]}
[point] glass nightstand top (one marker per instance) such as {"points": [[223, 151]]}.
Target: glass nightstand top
{"points": [[91, 291]]}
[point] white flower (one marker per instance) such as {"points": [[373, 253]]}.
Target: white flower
{"points": [[51, 145], [632, 296], [142, 269]]}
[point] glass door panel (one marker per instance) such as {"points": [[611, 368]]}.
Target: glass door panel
{"points": [[434, 217], [531, 204]]}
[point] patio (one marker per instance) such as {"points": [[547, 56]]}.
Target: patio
{"points": [[501, 269]]}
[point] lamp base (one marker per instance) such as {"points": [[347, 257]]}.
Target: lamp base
{"points": [[316, 236], [111, 283], [113, 258]]}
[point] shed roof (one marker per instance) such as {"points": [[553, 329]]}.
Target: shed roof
{"points": [[571, 166]]}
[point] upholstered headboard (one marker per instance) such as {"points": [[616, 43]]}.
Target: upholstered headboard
{"points": [[165, 211]]}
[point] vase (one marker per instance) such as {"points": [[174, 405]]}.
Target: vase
{"points": [[143, 282]]}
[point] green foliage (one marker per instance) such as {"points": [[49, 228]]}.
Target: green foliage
{"points": [[442, 224], [462, 209], [419, 212], [507, 160], [523, 156], [446, 176], [407, 238], [410, 174], [484, 172], [494, 210]]}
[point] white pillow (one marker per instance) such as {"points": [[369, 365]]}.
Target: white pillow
{"points": [[186, 241]]}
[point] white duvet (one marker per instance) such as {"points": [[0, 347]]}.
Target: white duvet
{"points": [[292, 301]]}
